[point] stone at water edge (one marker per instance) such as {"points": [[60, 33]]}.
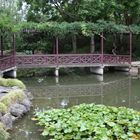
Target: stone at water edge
{"points": [[7, 120], [27, 103], [29, 95], [5, 89], [18, 110]]}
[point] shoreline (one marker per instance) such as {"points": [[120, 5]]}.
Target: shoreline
{"points": [[15, 102]]}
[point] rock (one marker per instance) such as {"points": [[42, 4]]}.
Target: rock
{"points": [[134, 71], [7, 120], [29, 95], [2, 94], [27, 103], [14, 118], [18, 110], [5, 89], [0, 114], [15, 87]]}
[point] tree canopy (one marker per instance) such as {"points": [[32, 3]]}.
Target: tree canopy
{"points": [[51, 18], [69, 16]]}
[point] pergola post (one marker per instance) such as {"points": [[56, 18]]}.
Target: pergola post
{"points": [[102, 48], [1, 45], [57, 52], [14, 45], [130, 46]]}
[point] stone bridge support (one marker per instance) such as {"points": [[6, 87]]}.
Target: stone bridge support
{"points": [[12, 72], [57, 72], [97, 70]]}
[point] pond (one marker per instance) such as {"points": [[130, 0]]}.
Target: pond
{"points": [[114, 89]]}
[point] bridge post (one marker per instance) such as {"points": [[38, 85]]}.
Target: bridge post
{"points": [[14, 73], [97, 70], [102, 48], [57, 52], [1, 74], [130, 46], [57, 72], [14, 45], [11, 73], [57, 80]]}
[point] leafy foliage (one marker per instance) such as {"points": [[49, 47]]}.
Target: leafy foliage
{"points": [[11, 82], [63, 28], [8, 14], [68, 17], [12, 97], [3, 108], [124, 12], [90, 121]]}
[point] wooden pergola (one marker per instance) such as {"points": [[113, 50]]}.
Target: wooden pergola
{"points": [[59, 60], [75, 60]]}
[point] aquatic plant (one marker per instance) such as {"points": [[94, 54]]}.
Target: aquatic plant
{"points": [[11, 83], [90, 122], [4, 135]]}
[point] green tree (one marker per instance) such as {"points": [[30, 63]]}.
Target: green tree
{"points": [[127, 12]]}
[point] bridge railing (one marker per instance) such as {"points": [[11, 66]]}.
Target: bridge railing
{"points": [[116, 59], [79, 59], [57, 60], [7, 62], [62, 60]]}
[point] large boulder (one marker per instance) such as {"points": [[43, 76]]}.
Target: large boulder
{"points": [[7, 120], [18, 110]]}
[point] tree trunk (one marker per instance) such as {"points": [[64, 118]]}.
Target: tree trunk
{"points": [[74, 44], [92, 44]]}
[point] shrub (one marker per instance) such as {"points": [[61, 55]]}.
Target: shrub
{"points": [[11, 83], [3, 82], [90, 121], [6, 100], [3, 108], [15, 82], [12, 97]]}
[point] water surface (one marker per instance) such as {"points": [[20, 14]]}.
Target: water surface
{"points": [[115, 89]]}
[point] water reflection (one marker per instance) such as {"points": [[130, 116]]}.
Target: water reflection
{"points": [[117, 93], [112, 89]]}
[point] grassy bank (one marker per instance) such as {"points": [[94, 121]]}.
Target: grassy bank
{"points": [[13, 96], [11, 83]]}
